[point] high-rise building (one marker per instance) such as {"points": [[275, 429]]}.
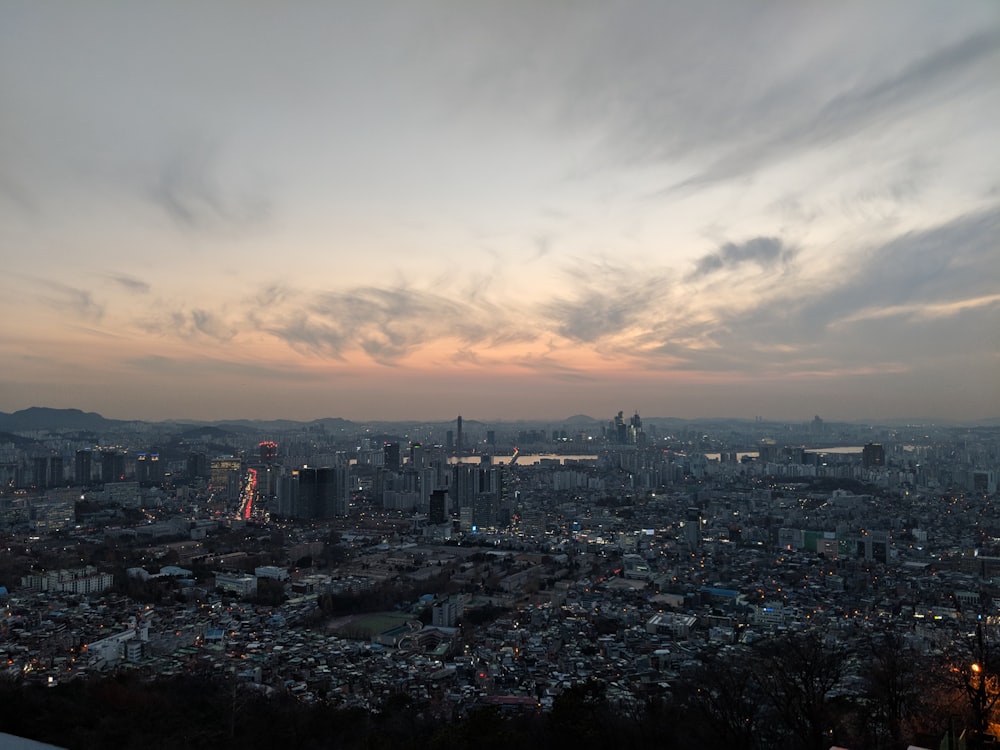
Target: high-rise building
{"points": [[149, 468], [459, 444], [225, 475], [197, 466], [83, 467], [40, 471], [692, 527], [873, 454], [315, 493], [392, 456], [112, 466], [417, 456], [57, 472], [268, 451], [438, 507]]}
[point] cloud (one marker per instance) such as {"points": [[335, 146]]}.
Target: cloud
{"points": [[765, 252], [386, 323], [191, 324], [605, 300], [189, 188], [71, 299], [922, 296], [931, 78], [130, 283], [592, 316], [941, 264], [204, 322]]}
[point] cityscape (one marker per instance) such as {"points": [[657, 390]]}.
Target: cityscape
{"points": [[499, 374], [719, 583]]}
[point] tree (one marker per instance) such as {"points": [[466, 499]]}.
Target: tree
{"points": [[901, 691], [797, 674], [974, 668], [724, 701]]}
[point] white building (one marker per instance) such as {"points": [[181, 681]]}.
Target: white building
{"points": [[240, 584]]}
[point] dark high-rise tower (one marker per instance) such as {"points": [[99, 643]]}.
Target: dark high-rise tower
{"points": [[56, 472], [197, 465], [112, 467], [438, 507], [322, 493], [268, 451], [149, 468], [390, 452], [40, 471], [459, 445], [873, 454], [83, 467]]}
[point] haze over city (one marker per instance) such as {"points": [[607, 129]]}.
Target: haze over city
{"points": [[507, 210]]}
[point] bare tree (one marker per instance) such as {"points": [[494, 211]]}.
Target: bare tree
{"points": [[797, 674]]}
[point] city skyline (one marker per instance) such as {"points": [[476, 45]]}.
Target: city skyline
{"points": [[507, 210]]}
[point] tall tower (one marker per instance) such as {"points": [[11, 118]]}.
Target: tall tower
{"points": [[390, 452], [112, 466], [268, 451], [322, 493], [873, 454], [459, 445], [692, 527], [83, 467], [438, 507]]}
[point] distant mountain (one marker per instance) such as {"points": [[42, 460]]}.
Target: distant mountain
{"points": [[580, 419], [44, 418]]}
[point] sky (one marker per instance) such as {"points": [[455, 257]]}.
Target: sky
{"points": [[506, 210]]}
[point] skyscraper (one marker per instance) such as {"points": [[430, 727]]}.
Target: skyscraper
{"points": [[692, 527], [322, 493], [197, 465], [873, 454], [112, 466], [459, 445], [391, 456], [268, 451], [148, 468], [40, 471], [83, 467], [224, 481], [438, 507]]}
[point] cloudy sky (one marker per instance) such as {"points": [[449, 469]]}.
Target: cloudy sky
{"points": [[506, 210]]}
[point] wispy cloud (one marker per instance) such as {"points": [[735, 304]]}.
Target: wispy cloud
{"points": [[70, 299], [386, 323], [130, 283], [190, 323], [928, 79], [764, 252], [190, 188]]}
